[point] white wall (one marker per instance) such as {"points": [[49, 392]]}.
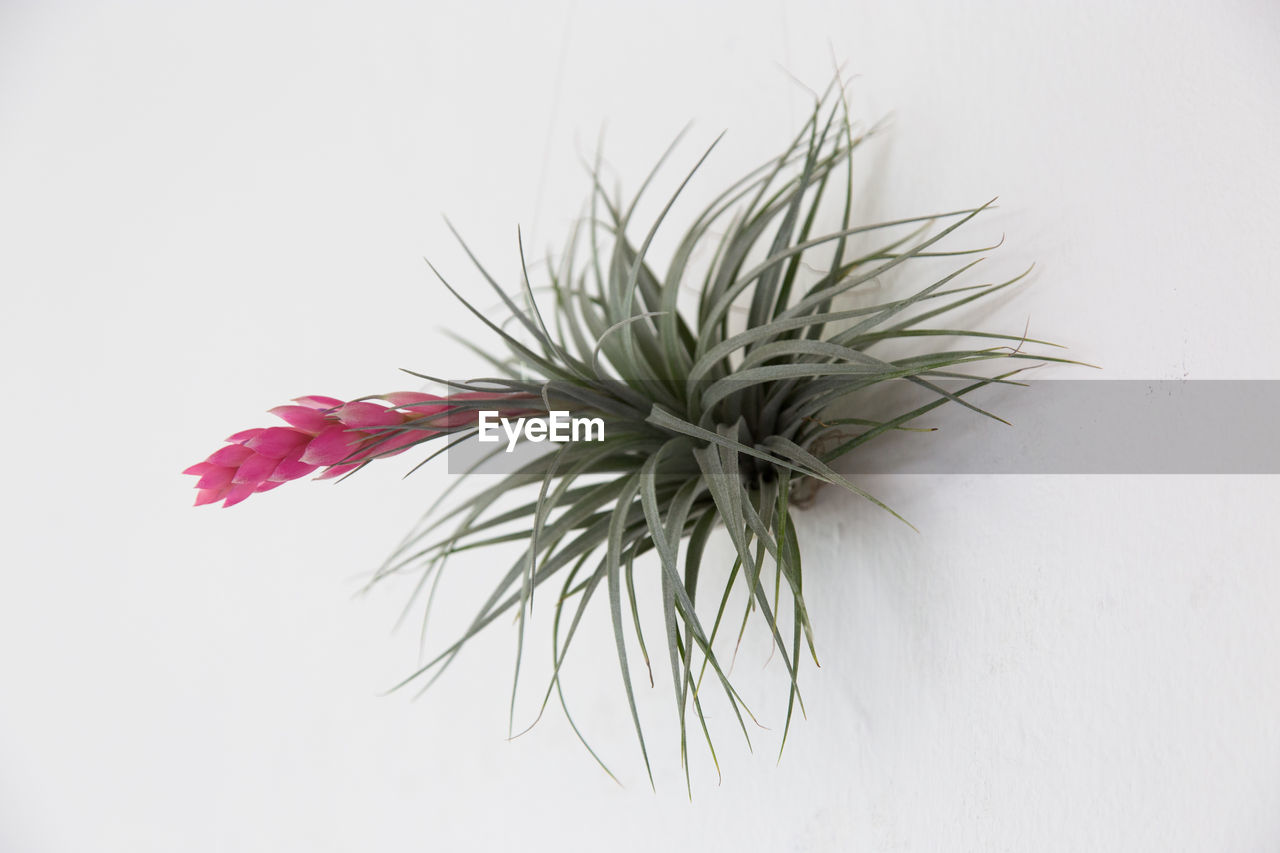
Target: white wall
{"points": [[209, 208]]}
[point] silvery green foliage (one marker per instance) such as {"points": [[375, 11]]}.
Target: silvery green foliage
{"points": [[713, 419]]}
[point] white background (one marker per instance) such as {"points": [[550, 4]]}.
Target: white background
{"points": [[206, 209]]}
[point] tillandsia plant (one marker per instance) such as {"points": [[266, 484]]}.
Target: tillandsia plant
{"points": [[719, 381]]}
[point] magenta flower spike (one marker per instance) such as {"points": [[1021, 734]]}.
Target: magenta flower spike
{"points": [[321, 433]]}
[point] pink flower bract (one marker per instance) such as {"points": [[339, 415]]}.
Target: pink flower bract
{"points": [[321, 433]]}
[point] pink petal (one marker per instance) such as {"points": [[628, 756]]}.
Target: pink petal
{"points": [[291, 469], [412, 398], [399, 443], [276, 442], [237, 493], [267, 486], [255, 469], [431, 413], [338, 471], [244, 435], [331, 446], [439, 416], [317, 402], [199, 469], [302, 417], [364, 414], [216, 478], [209, 496], [231, 455]]}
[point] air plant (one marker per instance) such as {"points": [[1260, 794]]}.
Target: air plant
{"points": [[721, 380]]}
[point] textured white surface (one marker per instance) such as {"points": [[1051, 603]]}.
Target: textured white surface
{"points": [[207, 208]]}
